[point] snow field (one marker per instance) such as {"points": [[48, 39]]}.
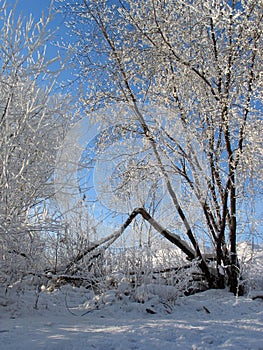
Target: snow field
{"points": [[66, 320]]}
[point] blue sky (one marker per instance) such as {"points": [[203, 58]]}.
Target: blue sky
{"points": [[36, 8]]}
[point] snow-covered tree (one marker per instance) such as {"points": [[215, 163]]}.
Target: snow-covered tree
{"points": [[33, 118], [189, 76]]}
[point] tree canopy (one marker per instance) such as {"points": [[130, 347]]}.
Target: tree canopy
{"points": [[189, 73]]}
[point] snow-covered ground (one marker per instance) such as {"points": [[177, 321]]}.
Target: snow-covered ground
{"points": [[152, 317], [64, 320]]}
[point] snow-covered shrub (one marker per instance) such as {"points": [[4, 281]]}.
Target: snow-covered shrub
{"points": [[251, 264], [144, 273]]}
